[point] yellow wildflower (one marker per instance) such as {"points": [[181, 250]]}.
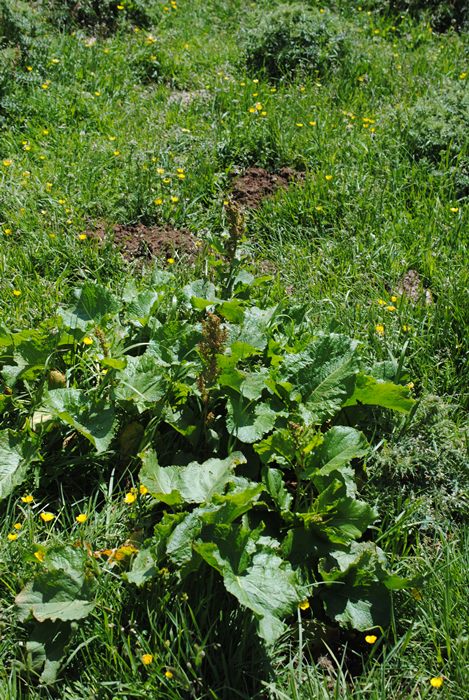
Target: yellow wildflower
{"points": [[158, 201], [312, 123], [436, 682], [142, 490], [160, 171], [116, 153], [7, 231], [147, 659], [169, 674], [463, 75], [379, 328], [82, 237], [390, 308], [81, 518], [16, 292], [39, 555], [370, 638], [87, 340], [170, 261], [304, 605], [47, 517], [7, 162], [328, 178], [12, 536], [174, 199], [18, 526], [27, 499], [130, 498], [454, 209], [393, 298]]}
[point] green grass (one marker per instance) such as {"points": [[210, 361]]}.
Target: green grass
{"points": [[86, 123]]}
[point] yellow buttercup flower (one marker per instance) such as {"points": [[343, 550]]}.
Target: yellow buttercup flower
{"points": [[27, 499], [16, 293], [328, 178], [436, 682], [47, 517], [379, 328], [87, 340], [454, 209], [370, 638], [142, 490], [158, 201], [168, 674], [393, 298], [147, 659], [174, 199], [82, 237], [12, 536], [39, 555], [170, 261], [81, 518], [130, 498], [18, 526], [304, 605], [7, 162], [390, 308]]}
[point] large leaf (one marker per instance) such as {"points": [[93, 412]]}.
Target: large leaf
{"points": [[144, 380], [253, 333], [194, 483], [371, 391], [16, 453], [94, 420], [256, 575], [94, 302], [324, 374], [249, 421], [46, 648], [240, 497], [357, 594], [329, 460], [61, 591]]}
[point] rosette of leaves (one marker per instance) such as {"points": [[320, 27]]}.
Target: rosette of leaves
{"points": [[292, 39], [245, 437]]}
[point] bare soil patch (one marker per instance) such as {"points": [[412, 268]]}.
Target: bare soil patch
{"points": [[412, 286], [142, 242], [255, 184]]}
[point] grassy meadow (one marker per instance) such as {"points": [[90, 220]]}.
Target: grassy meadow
{"points": [[118, 368]]}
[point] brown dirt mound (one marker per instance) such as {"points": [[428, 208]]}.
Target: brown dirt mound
{"points": [[146, 242], [412, 286], [255, 184]]}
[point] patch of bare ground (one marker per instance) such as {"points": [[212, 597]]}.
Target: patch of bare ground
{"points": [[255, 184], [140, 242], [413, 288]]}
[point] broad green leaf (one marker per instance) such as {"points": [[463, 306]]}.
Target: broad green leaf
{"points": [[275, 486], [16, 454], [277, 448], [341, 444], [371, 391], [324, 373], [249, 421], [96, 421], [141, 306], [224, 510], [357, 594], [253, 332], [232, 310], [144, 381], [94, 302], [144, 568], [46, 648], [361, 608], [194, 483], [201, 293], [61, 591], [257, 576]]}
